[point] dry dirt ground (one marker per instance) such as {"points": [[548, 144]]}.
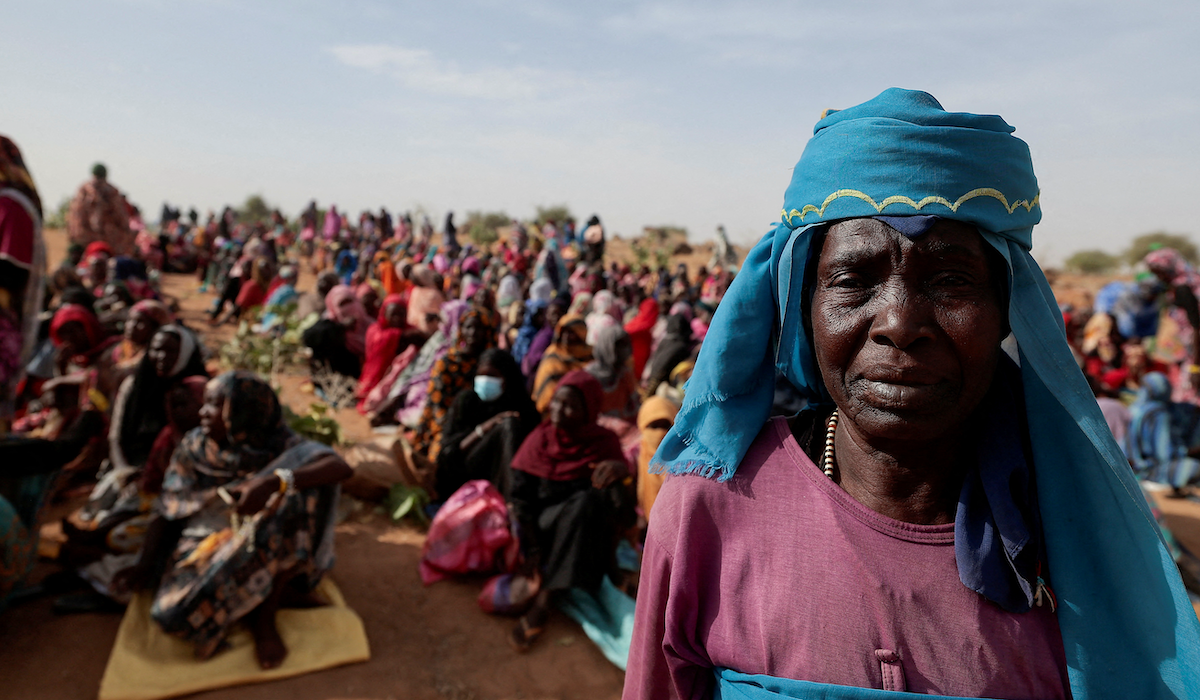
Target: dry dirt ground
{"points": [[426, 642]]}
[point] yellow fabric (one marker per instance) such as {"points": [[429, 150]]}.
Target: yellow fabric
{"points": [[148, 664], [656, 408]]}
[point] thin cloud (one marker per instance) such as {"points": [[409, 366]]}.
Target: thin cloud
{"points": [[420, 70]]}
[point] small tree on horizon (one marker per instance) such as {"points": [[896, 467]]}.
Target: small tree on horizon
{"points": [[557, 213], [254, 210], [58, 217], [482, 227], [1161, 239], [1092, 262]]}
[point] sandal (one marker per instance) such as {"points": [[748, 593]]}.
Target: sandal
{"points": [[523, 636]]}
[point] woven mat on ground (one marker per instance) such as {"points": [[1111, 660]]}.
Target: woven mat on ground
{"points": [[148, 664]]}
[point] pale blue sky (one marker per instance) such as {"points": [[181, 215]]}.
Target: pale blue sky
{"points": [[685, 113]]}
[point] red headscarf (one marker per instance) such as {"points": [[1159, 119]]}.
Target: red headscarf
{"points": [[96, 249], [382, 344], [68, 313], [559, 455]]}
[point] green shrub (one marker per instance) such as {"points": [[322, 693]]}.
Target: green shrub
{"points": [[482, 227], [316, 425], [1161, 239], [1092, 262], [557, 213], [265, 353]]}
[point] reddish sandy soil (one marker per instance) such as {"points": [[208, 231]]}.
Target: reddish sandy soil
{"points": [[425, 642]]}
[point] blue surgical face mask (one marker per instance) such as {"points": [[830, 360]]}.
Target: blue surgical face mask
{"points": [[488, 388]]}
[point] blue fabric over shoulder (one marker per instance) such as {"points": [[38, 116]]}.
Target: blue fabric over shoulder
{"points": [[1128, 627]]}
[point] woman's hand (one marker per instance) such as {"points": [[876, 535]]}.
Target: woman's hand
{"points": [[607, 472], [130, 580], [253, 493], [492, 422], [486, 427]]}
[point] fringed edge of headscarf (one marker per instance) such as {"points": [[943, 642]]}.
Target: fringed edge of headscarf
{"points": [[710, 465], [698, 467]]}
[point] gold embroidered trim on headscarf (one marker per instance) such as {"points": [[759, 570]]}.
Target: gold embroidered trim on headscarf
{"points": [[901, 199]]}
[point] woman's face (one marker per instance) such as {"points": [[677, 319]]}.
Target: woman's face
{"points": [[139, 328], [344, 310], [98, 269], [624, 351], [183, 408], [554, 314], [370, 302], [210, 415], [394, 316], [474, 336], [907, 332], [567, 410], [74, 338], [488, 370], [164, 352]]}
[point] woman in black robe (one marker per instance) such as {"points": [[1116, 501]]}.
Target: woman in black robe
{"points": [[485, 425]]}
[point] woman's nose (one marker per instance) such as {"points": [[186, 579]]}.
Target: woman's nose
{"points": [[902, 318]]}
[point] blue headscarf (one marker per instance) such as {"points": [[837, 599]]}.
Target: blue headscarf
{"points": [[528, 330], [1127, 625]]}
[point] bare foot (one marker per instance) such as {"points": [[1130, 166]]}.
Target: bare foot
{"points": [[268, 645]]}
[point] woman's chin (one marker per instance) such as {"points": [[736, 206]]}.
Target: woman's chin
{"points": [[906, 422]]}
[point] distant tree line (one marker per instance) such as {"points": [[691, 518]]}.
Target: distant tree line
{"points": [[1099, 262]]}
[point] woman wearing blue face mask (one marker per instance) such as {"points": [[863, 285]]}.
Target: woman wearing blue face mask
{"points": [[485, 425]]}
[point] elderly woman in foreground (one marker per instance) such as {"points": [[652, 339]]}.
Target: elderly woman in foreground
{"points": [[949, 517]]}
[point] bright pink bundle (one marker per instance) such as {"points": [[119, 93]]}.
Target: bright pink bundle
{"points": [[470, 534]]}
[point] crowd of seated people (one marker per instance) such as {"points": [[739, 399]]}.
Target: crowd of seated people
{"points": [[533, 364]]}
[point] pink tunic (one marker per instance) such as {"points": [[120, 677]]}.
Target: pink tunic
{"points": [[780, 572]]}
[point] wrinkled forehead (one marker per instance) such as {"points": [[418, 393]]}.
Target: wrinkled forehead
{"points": [[924, 235]]}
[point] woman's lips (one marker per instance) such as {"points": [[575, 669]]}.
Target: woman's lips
{"points": [[905, 393]]}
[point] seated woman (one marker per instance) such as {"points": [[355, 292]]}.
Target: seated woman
{"points": [[567, 353], [1155, 442], [145, 318], [389, 336], [675, 347], [281, 301], [400, 396], [253, 292], [138, 419], [112, 303], [569, 498], [450, 375], [1126, 380], [654, 419], [83, 358], [485, 425], [930, 523], [610, 366], [543, 337], [245, 520], [534, 322], [132, 273], [337, 341]]}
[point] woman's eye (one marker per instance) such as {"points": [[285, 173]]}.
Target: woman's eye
{"points": [[953, 280], [848, 282]]}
